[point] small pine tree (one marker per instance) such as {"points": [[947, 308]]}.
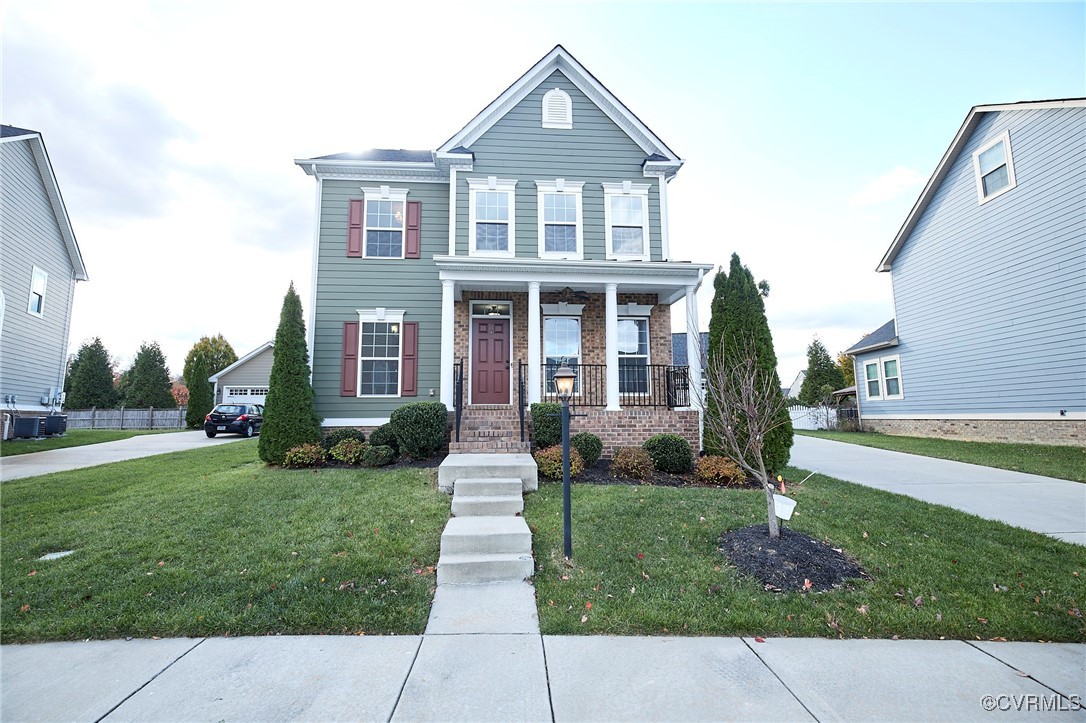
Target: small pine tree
{"points": [[207, 356], [91, 375], [821, 371], [149, 382], [290, 412]]}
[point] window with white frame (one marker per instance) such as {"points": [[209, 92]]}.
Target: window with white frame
{"points": [[874, 379], [561, 344], [626, 212], [384, 222], [380, 346], [36, 303], [557, 109], [883, 378], [560, 228], [994, 167], [491, 216], [633, 356]]}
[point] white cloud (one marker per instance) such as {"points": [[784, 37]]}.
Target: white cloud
{"points": [[887, 187]]}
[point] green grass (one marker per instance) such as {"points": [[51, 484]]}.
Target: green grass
{"points": [[212, 542], [73, 438], [957, 564], [1043, 459]]}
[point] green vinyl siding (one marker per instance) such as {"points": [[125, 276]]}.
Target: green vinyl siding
{"points": [[345, 285], [594, 151]]}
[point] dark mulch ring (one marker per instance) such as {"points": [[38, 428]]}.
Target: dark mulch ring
{"points": [[601, 474], [398, 463], [789, 562]]}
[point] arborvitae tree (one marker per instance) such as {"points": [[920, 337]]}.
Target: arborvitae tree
{"points": [[290, 411], [148, 383], [844, 363], [821, 371], [209, 355], [738, 328], [91, 376]]}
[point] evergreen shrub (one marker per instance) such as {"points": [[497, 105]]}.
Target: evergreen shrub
{"points": [[420, 428], [589, 445], [549, 462], [546, 424], [348, 451], [383, 436], [378, 456], [670, 453], [338, 435]]}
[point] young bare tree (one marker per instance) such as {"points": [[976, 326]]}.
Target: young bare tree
{"points": [[743, 405]]}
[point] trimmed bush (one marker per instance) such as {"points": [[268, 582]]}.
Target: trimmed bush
{"points": [[549, 462], [378, 456], [338, 435], [718, 470], [420, 428], [632, 462], [546, 424], [349, 451], [589, 445], [304, 455], [670, 453], [383, 436]]}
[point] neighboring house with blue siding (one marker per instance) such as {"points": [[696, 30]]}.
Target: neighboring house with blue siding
{"points": [[40, 264], [989, 285], [536, 234]]}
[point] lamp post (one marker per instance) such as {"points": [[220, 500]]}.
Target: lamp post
{"points": [[563, 380]]}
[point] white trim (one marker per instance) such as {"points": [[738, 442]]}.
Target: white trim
{"points": [[311, 330], [867, 380], [562, 308], [492, 184], [611, 346], [380, 315], [354, 421], [384, 193], [579, 387], [472, 316], [214, 378], [535, 344], [992, 416], [448, 343], [566, 120], [886, 395], [648, 351], [452, 211], [563, 187], [636, 190], [665, 236], [37, 272], [1005, 139]]}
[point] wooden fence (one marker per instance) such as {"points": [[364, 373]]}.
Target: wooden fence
{"points": [[148, 418]]}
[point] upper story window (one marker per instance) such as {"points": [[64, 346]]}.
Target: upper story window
{"points": [[560, 229], [384, 222], [883, 377], [557, 109], [491, 210], [36, 303], [994, 167], [626, 211]]}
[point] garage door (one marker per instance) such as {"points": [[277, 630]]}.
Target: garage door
{"points": [[244, 395]]}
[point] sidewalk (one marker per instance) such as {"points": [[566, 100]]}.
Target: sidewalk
{"points": [[1043, 504], [92, 455], [531, 677]]}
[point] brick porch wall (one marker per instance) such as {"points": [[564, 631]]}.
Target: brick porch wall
{"points": [[631, 427], [1070, 432]]}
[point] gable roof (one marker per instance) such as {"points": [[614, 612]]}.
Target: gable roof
{"points": [[10, 134], [560, 59], [382, 155], [883, 337], [964, 133], [255, 352]]}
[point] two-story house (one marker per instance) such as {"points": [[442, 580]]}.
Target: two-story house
{"points": [[536, 235], [989, 285], [40, 264]]}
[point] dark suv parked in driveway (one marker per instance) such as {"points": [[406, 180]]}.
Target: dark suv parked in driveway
{"points": [[234, 419]]}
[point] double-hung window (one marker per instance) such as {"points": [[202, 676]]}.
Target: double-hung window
{"points": [[384, 222], [380, 344], [560, 228], [874, 379], [36, 303], [994, 167], [883, 378], [626, 215], [633, 356], [492, 214], [561, 345]]}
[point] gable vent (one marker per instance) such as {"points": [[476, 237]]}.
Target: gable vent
{"points": [[557, 109]]}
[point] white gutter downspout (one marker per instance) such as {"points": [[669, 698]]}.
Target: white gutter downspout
{"points": [[311, 331], [665, 241], [452, 210]]}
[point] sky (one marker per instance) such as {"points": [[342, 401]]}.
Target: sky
{"points": [[808, 130]]}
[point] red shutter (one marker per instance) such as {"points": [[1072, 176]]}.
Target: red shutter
{"points": [[410, 386], [355, 220], [348, 384], [413, 236]]}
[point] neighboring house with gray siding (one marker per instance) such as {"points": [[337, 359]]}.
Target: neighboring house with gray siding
{"points": [[537, 233], [40, 264], [246, 380], [989, 286]]}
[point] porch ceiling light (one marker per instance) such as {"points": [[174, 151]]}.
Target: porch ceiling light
{"points": [[563, 380]]}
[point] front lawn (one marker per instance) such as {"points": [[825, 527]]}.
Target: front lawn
{"points": [[73, 438], [1043, 459], [646, 563], [213, 542]]}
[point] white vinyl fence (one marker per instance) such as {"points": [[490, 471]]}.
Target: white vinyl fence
{"points": [[813, 417], [144, 418]]}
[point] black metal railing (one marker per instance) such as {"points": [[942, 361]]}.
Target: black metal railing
{"points": [[640, 385], [458, 394], [522, 398]]}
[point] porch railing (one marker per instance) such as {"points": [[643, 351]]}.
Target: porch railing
{"points": [[645, 385], [458, 394]]}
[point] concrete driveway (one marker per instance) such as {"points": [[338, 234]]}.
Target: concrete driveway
{"points": [[1043, 504], [92, 455]]}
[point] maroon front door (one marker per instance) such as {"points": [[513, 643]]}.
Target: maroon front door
{"points": [[490, 361]]}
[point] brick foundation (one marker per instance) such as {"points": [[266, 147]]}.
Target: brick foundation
{"points": [[1027, 431], [631, 427]]}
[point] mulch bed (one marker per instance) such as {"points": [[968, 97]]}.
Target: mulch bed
{"points": [[789, 562], [601, 474]]}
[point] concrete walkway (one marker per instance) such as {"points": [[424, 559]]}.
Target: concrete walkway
{"points": [[92, 455], [1050, 506], [528, 677]]}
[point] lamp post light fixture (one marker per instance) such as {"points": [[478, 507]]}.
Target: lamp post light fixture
{"points": [[563, 381]]}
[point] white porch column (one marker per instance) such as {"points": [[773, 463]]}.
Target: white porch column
{"points": [[534, 351], [448, 349], [612, 347], [693, 345]]}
